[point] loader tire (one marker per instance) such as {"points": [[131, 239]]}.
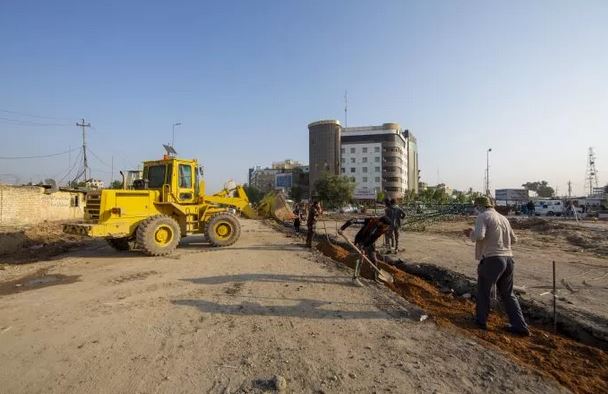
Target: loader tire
{"points": [[223, 229], [158, 235], [120, 244]]}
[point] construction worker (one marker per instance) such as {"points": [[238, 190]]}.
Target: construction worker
{"points": [[297, 211], [388, 237], [395, 214], [373, 228], [493, 237], [314, 211]]}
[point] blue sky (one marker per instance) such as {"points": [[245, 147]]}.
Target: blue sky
{"points": [[527, 78]]}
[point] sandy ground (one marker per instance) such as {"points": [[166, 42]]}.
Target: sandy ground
{"points": [[228, 320], [581, 273]]}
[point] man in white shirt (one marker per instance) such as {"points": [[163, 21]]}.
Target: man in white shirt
{"points": [[493, 237]]}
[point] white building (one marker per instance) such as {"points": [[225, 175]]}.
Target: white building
{"points": [[363, 164], [376, 158]]}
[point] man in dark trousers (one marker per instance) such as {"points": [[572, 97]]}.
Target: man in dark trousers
{"points": [[388, 237], [297, 211], [314, 211], [493, 237], [373, 228], [395, 214]]}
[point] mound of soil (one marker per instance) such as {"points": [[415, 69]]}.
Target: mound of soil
{"points": [[580, 368], [36, 243], [537, 224]]}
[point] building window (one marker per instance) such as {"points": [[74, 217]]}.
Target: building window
{"points": [[74, 201], [376, 149], [377, 179], [342, 160], [364, 160], [343, 170], [352, 160], [342, 150], [352, 150], [352, 178], [364, 150], [377, 159], [352, 169], [364, 169], [377, 169], [364, 179]]}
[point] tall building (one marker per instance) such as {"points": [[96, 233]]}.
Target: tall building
{"points": [[323, 149], [378, 158], [413, 172]]}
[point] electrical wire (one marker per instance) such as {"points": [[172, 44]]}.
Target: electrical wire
{"points": [[21, 122], [98, 158], [76, 162], [32, 115], [37, 157]]}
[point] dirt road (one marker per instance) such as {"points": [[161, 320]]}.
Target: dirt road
{"points": [[228, 320]]}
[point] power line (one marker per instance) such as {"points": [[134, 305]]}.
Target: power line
{"points": [[98, 158], [76, 160], [32, 115], [36, 157], [21, 122]]}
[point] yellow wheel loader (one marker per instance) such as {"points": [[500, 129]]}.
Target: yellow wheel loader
{"points": [[166, 205]]}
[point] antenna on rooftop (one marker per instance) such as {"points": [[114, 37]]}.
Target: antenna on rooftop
{"points": [[345, 108]]}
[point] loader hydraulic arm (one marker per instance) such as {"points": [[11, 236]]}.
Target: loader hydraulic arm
{"points": [[236, 198]]}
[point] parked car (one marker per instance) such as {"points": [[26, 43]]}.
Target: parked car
{"points": [[349, 209], [549, 208]]}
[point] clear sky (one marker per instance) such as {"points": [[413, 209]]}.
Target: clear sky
{"points": [[527, 78]]}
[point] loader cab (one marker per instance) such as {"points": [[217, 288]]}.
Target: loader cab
{"points": [[176, 179]]}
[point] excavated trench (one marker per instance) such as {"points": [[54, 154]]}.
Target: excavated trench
{"points": [[580, 367]]}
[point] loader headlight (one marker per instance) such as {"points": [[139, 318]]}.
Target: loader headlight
{"points": [[115, 211]]}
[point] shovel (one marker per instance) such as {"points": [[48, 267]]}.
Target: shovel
{"points": [[383, 275]]}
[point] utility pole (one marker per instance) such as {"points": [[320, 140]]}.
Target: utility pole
{"points": [[84, 148], [487, 185], [569, 189]]}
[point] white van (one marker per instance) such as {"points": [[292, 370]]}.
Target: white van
{"points": [[549, 208]]}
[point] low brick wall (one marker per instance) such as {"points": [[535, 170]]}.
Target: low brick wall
{"points": [[28, 205]]}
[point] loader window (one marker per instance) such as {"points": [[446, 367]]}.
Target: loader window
{"points": [[156, 176], [185, 176]]}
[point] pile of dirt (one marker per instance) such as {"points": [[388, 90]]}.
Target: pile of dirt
{"points": [[580, 368], [38, 242], [594, 242], [537, 224]]}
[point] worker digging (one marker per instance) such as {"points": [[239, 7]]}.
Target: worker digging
{"points": [[493, 237], [314, 211], [371, 230]]}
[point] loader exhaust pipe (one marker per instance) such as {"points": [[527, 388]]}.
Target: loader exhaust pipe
{"points": [[124, 181]]}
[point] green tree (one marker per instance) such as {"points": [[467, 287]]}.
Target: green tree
{"points": [[541, 188], [296, 193], [253, 193], [335, 190], [380, 196], [116, 184], [409, 196]]}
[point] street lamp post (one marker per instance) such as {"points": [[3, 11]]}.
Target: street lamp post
{"points": [[173, 133], [488, 171]]}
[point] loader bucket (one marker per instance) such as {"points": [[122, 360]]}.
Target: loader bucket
{"points": [[274, 206]]}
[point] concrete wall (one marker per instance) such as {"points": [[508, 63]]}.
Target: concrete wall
{"points": [[27, 205]]}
